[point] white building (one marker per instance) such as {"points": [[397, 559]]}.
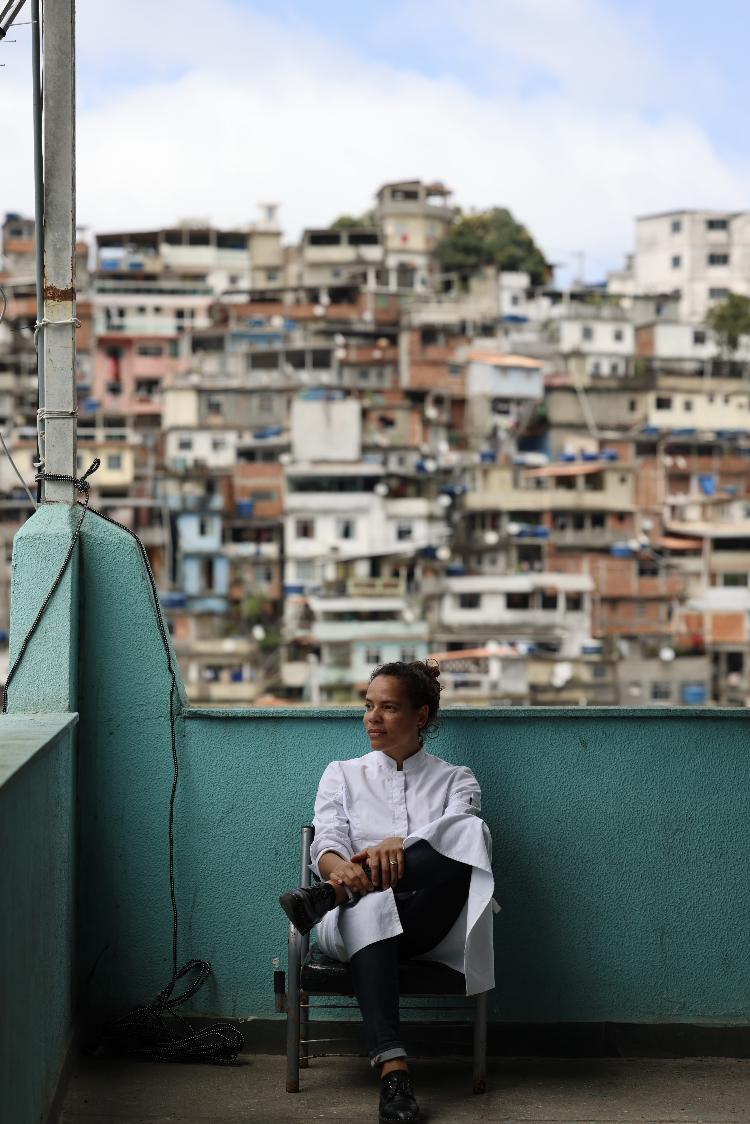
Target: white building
{"points": [[500, 390], [549, 609], [355, 634], [335, 516], [712, 410], [598, 340], [412, 217], [703, 254]]}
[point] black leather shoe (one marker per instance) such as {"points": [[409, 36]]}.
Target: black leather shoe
{"points": [[305, 906], [397, 1103]]}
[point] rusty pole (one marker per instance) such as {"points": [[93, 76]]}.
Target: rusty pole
{"points": [[57, 326]]}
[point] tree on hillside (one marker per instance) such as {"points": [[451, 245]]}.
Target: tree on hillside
{"points": [[729, 320], [491, 238], [346, 222]]}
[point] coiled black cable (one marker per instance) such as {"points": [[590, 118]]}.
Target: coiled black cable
{"points": [[154, 1030]]}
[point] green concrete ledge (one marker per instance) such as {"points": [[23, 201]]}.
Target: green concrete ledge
{"points": [[474, 713], [24, 736]]}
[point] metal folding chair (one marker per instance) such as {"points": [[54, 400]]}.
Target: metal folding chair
{"points": [[312, 973]]}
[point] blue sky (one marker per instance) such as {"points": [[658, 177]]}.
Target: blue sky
{"points": [[577, 114]]}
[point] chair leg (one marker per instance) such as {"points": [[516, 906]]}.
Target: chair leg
{"points": [[293, 1014], [304, 1030], [480, 1043]]}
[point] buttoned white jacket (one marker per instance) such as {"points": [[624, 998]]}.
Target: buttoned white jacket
{"points": [[365, 800]]}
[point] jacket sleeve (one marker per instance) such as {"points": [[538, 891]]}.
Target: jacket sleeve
{"points": [[331, 821], [464, 794]]}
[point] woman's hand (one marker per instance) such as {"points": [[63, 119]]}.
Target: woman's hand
{"points": [[352, 875], [385, 860]]}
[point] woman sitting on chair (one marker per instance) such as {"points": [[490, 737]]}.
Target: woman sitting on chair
{"points": [[405, 866]]}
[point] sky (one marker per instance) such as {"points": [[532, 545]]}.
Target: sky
{"points": [[577, 115]]}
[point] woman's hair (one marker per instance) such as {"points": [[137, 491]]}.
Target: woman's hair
{"points": [[422, 680]]}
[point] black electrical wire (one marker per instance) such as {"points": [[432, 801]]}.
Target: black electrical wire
{"points": [[6, 21], [154, 1030]]}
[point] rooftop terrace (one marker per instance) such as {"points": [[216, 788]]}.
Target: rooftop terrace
{"points": [[621, 859]]}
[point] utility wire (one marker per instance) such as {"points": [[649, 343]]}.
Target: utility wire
{"points": [[6, 21]]}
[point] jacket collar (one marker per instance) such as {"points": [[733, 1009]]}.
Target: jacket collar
{"points": [[417, 761]]}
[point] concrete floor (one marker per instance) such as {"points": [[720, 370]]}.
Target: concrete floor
{"points": [[584, 1091]]}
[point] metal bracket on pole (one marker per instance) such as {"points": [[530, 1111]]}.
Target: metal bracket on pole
{"points": [[57, 326]]}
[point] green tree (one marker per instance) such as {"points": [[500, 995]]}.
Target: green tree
{"points": [[729, 320], [491, 238], [346, 222]]}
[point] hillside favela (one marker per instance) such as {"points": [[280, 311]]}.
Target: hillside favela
{"points": [[400, 437]]}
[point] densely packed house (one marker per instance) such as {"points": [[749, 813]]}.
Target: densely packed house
{"points": [[337, 454]]}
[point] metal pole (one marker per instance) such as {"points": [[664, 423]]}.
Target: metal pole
{"points": [[308, 834], [58, 335], [36, 69]]}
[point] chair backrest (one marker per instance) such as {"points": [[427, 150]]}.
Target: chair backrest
{"points": [[308, 834]]}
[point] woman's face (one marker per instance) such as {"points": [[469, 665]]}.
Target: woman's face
{"points": [[391, 722]]}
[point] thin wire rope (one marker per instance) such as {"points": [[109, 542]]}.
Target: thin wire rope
{"points": [[144, 1030], [4, 29]]}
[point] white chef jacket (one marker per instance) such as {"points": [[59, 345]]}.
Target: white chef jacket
{"points": [[365, 800]]}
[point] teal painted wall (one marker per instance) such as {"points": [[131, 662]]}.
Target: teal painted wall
{"points": [[37, 887], [621, 842]]}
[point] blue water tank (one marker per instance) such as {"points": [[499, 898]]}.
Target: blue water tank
{"points": [[693, 694], [173, 600], [245, 508]]}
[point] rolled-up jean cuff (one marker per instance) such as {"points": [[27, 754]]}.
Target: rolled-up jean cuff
{"points": [[388, 1055]]}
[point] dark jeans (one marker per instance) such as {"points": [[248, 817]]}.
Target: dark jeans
{"points": [[442, 886]]}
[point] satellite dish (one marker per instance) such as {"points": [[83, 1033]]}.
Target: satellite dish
{"points": [[443, 553], [444, 499], [491, 538], [339, 340], [666, 655], [259, 632], [561, 674], [381, 489], [319, 310]]}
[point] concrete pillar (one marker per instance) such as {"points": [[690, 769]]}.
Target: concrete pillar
{"points": [[47, 677]]}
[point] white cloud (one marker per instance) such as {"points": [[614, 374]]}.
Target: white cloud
{"points": [[235, 108]]}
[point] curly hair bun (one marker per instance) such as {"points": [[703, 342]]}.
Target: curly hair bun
{"points": [[432, 668]]}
